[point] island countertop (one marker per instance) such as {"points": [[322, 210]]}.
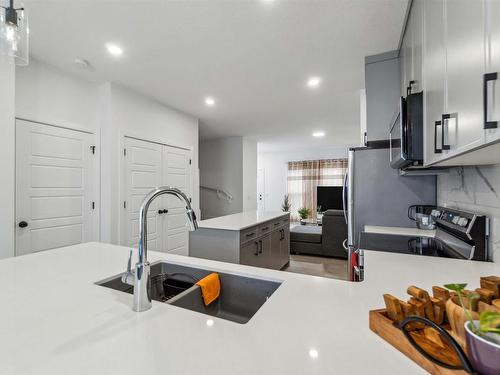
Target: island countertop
{"points": [[55, 320], [240, 220]]}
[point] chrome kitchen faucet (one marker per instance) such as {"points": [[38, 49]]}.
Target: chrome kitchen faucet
{"points": [[140, 278]]}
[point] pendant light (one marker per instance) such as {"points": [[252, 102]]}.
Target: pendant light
{"points": [[14, 33]]}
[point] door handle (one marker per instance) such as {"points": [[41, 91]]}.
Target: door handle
{"points": [[487, 78], [165, 211], [445, 119], [256, 249], [160, 212], [344, 196], [23, 224], [261, 246], [437, 150]]}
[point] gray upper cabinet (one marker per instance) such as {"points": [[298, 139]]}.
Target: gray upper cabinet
{"points": [[382, 82], [434, 72], [464, 71], [405, 57], [417, 33], [411, 50], [492, 41]]}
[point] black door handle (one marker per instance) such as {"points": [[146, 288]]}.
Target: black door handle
{"points": [[160, 212], [437, 150], [260, 251], [23, 224], [256, 248], [165, 211], [486, 78]]}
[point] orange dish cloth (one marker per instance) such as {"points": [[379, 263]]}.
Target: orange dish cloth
{"points": [[210, 288]]}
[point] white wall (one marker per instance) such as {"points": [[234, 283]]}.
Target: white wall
{"points": [[468, 189], [221, 162], [135, 115], [47, 95], [274, 165], [249, 175], [7, 157]]}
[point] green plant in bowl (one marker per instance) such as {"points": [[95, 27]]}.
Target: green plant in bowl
{"points": [[304, 212], [488, 326]]}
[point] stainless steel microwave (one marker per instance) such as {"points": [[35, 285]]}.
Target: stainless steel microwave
{"points": [[407, 133]]}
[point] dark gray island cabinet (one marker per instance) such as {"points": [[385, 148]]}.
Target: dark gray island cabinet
{"points": [[260, 239]]}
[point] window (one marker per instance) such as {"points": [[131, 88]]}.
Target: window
{"points": [[305, 176]]}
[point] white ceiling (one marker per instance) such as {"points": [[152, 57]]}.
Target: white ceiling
{"points": [[252, 56]]}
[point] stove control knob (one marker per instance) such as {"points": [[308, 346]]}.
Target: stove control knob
{"points": [[455, 219], [462, 222]]}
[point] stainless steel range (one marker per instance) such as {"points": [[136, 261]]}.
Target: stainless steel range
{"points": [[459, 234]]}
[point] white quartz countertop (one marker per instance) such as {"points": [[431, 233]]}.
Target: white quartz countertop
{"points": [[241, 220], [401, 231], [54, 320]]}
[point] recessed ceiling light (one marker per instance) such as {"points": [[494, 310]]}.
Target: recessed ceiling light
{"points": [[318, 134], [313, 353], [210, 322], [210, 101], [313, 82], [114, 49]]}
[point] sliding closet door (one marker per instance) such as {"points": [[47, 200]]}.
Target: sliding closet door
{"points": [[143, 173], [176, 173]]}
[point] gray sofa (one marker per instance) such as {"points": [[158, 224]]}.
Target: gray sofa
{"points": [[325, 240]]}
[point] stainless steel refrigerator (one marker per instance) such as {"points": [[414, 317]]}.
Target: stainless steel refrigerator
{"points": [[376, 194]]}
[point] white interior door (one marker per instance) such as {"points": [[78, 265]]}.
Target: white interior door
{"points": [[143, 173], [55, 199], [176, 173]]}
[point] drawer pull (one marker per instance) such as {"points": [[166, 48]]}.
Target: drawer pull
{"points": [[250, 234], [265, 228]]}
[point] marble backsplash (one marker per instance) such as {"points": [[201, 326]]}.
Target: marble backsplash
{"points": [[475, 189]]}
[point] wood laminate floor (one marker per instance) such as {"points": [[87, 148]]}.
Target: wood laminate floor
{"points": [[318, 266]]}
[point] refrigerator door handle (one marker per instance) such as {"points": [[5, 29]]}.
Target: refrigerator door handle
{"points": [[344, 189]]}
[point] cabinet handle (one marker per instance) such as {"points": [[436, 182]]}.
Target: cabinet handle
{"points": [[250, 234], [487, 78], [444, 120], [437, 150], [260, 251], [265, 228], [256, 249], [282, 234]]}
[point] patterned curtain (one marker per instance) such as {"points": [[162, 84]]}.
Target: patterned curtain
{"points": [[305, 176]]}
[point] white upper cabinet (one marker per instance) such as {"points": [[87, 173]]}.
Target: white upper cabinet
{"points": [[493, 66], [434, 73], [464, 35], [461, 43]]}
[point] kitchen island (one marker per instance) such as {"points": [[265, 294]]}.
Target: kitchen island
{"points": [[55, 320], [253, 238]]}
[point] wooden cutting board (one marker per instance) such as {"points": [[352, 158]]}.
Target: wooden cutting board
{"points": [[385, 328]]}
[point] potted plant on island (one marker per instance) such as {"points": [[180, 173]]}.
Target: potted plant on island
{"points": [[482, 335], [304, 213], [285, 207]]}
